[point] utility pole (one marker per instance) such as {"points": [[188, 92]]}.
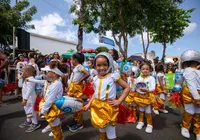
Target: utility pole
{"points": [[14, 38]]}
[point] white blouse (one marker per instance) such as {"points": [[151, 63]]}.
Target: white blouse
{"points": [[161, 75], [105, 87], [192, 79], [77, 74], [149, 81], [28, 91], [131, 84]]}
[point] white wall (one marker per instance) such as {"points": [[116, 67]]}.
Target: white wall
{"points": [[47, 46]]}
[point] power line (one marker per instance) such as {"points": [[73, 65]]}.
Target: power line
{"points": [[54, 6]]}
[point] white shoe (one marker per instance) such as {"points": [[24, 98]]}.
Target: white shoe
{"points": [[185, 132], [42, 117], [198, 137], [46, 129], [149, 129], [51, 134], [155, 111], [163, 111], [140, 125]]}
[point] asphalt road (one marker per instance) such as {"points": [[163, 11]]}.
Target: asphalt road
{"points": [[166, 126]]}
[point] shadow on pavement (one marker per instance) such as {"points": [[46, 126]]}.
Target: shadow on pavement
{"points": [[171, 111], [10, 116], [82, 135], [12, 100], [159, 122], [130, 136]]}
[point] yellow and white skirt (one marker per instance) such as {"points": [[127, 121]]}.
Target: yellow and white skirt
{"points": [[187, 96], [75, 89], [159, 89], [53, 112], [103, 114], [144, 100], [130, 98]]}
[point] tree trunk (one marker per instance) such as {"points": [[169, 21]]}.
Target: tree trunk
{"points": [[143, 45], [164, 51], [125, 45], [79, 47]]}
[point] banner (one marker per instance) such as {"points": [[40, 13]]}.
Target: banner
{"points": [[169, 80]]}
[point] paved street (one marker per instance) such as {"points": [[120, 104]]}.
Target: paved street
{"points": [[166, 126]]}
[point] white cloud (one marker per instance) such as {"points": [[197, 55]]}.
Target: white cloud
{"points": [[69, 1], [93, 38], [48, 25], [73, 15], [138, 37], [178, 49], [170, 47], [192, 26]]}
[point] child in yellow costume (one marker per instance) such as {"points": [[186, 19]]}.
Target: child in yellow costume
{"points": [[144, 97], [131, 80], [78, 75], [160, 90], [104, 105], [52, 91], [191, 93]]}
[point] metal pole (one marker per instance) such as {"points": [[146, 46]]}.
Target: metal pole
{"points": [[14, 45]]}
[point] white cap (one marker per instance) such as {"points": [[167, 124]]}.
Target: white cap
{"points": [[55, 70]]}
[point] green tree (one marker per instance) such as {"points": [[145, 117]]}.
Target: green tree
{"points": [[118, 17], [102, 49], [125, 18], [17, 16], [170, 26], [149, 11], [71, 50], [84, 20]]}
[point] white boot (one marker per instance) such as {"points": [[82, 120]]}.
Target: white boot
{"points": [[198, 137], [51, 134], [185, 132], [163, 111], [46, 129], [140, 125], [155, 111], [149, 129]]}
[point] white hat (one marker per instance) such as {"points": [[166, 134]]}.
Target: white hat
{"points": [[110, 59], [55, 70], [190, 55]]}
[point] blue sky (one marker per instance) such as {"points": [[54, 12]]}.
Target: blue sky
{"points": [[53, 19]]}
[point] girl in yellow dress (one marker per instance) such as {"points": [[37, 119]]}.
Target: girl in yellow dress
{"points": [[144, 97], [78, 75], [104, 105], [131, 80], [160, 89]]}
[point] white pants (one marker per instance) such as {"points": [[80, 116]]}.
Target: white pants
{"points": [[110, 131], [134, 105], [162, 96], [29, 109], [192, 109], [20, 83], [56, 122], [146, 109], [31, 115]]}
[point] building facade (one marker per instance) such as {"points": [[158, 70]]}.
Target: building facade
{"points": [[47, 45]]}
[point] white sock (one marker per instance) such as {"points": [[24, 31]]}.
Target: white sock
{"points": [[28, 120], [34, 119]]}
